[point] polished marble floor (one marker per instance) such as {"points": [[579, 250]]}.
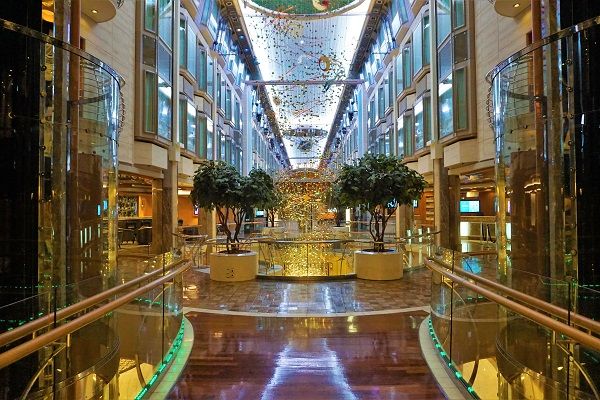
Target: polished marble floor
{"points": [[300, 298], [258, 357]]}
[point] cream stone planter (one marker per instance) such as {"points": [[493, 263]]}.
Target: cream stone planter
{"points": [[233, 267], [378, 266]]}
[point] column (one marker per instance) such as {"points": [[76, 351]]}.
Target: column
{"points": [[441, 199], [454, 212]]}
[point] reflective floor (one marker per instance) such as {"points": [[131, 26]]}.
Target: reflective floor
{"points": [[293, 298], [355, 357]]}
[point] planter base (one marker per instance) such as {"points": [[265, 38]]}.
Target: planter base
{"points": [[233, 267], [378, 266]]}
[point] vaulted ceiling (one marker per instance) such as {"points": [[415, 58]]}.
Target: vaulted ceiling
{"points": [[303, 49]]}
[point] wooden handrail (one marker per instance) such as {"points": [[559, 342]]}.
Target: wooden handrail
{"points": [[552, 309], [542, 319], [18, 352], [39, 323]]}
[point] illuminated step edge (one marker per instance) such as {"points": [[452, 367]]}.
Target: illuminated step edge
{"points": [[154, 384], [448, 362]]}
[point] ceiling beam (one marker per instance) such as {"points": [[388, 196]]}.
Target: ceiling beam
{"points": [[307, 82]]}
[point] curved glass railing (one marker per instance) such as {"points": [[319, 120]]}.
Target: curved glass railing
{"points": [[499, 352], [120, 353]]}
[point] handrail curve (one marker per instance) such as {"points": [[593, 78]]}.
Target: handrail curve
{"points": [[42, 322], [552, 309], [542, 319], [18, 352]]}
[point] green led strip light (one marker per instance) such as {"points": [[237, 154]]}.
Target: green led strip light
{"points": [[174, 349], [449, 362]]}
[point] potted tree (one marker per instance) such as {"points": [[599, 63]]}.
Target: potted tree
{"points": [[379, 184], [218, 186]]}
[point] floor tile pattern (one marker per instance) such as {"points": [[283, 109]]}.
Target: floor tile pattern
{"points": [[324, 297]]}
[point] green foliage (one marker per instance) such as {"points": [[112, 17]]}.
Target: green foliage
{"points": [[379, 184], [218, 186]]}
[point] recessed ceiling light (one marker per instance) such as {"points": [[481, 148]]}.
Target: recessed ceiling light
{"points": [[94, 11], [517, 5], [239, 29]]}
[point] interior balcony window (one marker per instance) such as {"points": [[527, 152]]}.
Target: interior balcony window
{"points": [[191, 52], [419, 125], [164, 108], [150, 15], [210, 83], [209, 139], [201, 70], [164, 63], [400, 137], [390, 88], [165, 21], [228, 100], [191, 128], [444, 20], [460, 88], [202, 136], [149, 50], [182, 121], [445, 107], [182, 44], [399, 75], [458, 13], [150, 117], [427, 119], [381, 102], [426, 40], [406, 66], [417, 42]]}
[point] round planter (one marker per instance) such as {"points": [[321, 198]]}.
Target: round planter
{"points": [[233, 267], [378, 266]]}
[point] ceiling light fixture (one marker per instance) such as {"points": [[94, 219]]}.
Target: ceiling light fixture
{"points": [[517, 5], [94, 11]]}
